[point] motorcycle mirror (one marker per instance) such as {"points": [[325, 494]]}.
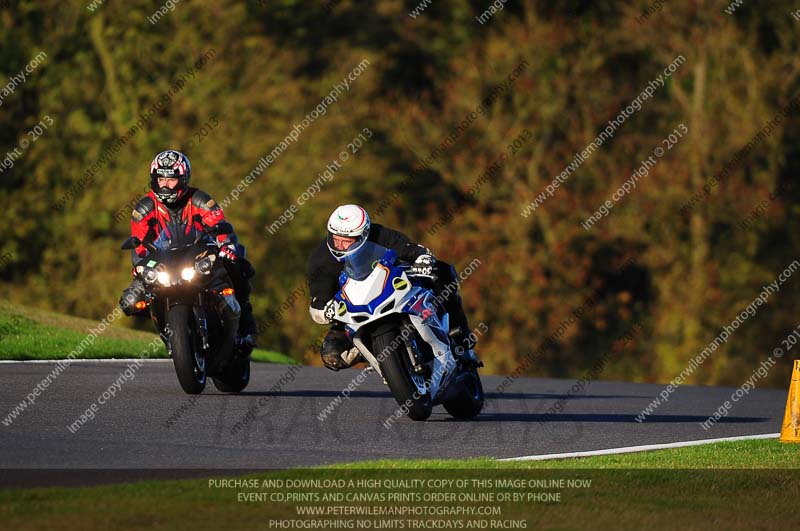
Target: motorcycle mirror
{"points": [[131, 243]]}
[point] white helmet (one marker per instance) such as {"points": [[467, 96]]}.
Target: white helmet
{"points": [[350, 221]]}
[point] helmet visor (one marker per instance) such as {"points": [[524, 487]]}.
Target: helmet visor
{"points": [[343, 246]]}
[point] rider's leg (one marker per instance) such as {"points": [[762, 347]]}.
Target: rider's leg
{"points": [[229, 310], [240, 273], [447, 291], [158, 316], [130, 296], [136, 293]]}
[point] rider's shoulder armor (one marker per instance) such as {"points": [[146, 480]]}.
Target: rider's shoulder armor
{"points": [[143, 208], [202, 200]]}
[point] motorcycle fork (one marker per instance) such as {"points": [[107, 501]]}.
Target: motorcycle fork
{"points": [[202, 322], [408, 335], [158, 316]]}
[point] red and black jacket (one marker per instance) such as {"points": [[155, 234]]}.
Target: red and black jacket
{"points": [[150, 216]]}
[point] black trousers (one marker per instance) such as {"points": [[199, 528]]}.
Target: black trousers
{"points": [[240, 273], [446, 288]]}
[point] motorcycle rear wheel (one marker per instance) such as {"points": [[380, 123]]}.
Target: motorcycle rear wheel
{"points": [[190, 365], [236, 376], [468, 401]]}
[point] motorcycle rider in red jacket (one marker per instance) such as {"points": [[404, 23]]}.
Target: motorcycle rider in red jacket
{"points": [[171, 202]]}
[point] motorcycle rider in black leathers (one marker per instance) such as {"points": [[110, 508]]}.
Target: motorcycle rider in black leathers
{"points": [[349, 228]]}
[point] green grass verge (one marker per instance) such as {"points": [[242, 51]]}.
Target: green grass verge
{"points": [[32, 334], [652, 490]]}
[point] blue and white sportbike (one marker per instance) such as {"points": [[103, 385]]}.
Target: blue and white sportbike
{"points": [[399, 327]]}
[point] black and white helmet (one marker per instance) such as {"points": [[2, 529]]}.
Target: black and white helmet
{"points": [[170, 164]]}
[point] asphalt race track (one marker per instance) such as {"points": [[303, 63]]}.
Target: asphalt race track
{"points": [[133, 430]]}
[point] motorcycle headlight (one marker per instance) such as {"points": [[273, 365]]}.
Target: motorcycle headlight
{"points": [[187, 274], [204, 266], [163, 278], [150, 275]]}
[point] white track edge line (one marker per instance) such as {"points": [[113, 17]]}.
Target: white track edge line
{"points": [[643, 448], [100, 360]]}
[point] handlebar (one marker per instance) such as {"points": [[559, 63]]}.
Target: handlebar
{"points": [[223, 227]]}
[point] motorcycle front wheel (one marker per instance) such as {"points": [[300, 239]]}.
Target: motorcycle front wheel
{"points": [[409, 388], [190, 365]]}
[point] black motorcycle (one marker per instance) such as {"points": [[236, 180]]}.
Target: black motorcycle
{"points": [[186, 291]]}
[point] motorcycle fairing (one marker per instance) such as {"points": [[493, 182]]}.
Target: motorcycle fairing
{"points": [[387, 288]]}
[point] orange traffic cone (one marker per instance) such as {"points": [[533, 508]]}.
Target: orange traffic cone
{"points": [[790, 431]]}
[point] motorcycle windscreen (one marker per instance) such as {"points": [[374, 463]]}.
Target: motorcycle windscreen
{"points": [[367, 277], [360, 264], [176, 235]]}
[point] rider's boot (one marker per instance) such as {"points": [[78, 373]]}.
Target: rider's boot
{"points": [[465, 347], [132, 295], [337, 351], [246, 342]]}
